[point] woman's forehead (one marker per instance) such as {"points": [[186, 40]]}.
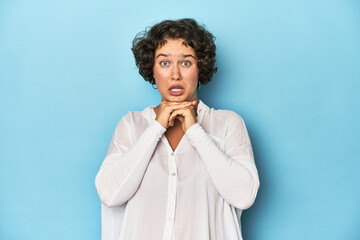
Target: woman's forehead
{"points": [[174, 47]]}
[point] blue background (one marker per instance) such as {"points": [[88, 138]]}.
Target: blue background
{"points": [[291, 69]]}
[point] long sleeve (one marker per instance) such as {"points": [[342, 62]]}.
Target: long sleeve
{"points": [[125, 163], [233, 170]]}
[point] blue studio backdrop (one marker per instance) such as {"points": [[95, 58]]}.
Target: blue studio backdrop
{"points": [[291, 69]]}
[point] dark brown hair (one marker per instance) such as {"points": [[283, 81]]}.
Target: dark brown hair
{"points": [[145, 44]]}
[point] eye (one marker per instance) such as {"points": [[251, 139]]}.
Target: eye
{"points": [[164, 63], [186, 63]]}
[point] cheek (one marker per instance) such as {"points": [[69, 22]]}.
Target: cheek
{"points": [[159, 73], [194, 75]]}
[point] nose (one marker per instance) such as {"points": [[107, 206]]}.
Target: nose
{"points": [[176, 73]]}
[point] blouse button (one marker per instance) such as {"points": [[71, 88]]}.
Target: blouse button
{"points": [[173, 174]]}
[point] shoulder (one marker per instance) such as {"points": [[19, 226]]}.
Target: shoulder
{"points": [[221, 122], [145, 115], [132, 118], [225, 116]]}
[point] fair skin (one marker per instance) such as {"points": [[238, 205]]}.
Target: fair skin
{"points": [[176, 76]]}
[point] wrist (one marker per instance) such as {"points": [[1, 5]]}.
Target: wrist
{"points": [[189, 125], [162, 122]]}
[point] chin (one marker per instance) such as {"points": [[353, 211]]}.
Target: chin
{"points": [[176, 99], [180, 98]]}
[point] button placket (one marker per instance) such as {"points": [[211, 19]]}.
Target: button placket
{"points": [[171, 204]]}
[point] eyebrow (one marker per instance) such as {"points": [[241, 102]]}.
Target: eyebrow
{"points": [[167, 55]]}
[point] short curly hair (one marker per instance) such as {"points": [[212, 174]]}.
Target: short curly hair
{"points": [[196, 36]]}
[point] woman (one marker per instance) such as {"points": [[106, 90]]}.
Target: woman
{"points": [[180, 170]]}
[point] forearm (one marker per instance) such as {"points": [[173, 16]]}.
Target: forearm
{"points": [[121, 173], [236, 178]]}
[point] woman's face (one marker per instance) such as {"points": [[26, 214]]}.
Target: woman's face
{"points": [[176, 72]]}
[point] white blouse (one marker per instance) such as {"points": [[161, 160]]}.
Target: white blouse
{"points": [[198, 191]]}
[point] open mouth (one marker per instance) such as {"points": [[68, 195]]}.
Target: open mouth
{"points": [[176, 90]]}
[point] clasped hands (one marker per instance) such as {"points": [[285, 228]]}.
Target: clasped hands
{"points": [[185, 112]]}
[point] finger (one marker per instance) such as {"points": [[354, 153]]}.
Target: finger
{"points": [[179, 104], [166, 103], [172, 108], [180, 118], [182, 112], [166, 108]]}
